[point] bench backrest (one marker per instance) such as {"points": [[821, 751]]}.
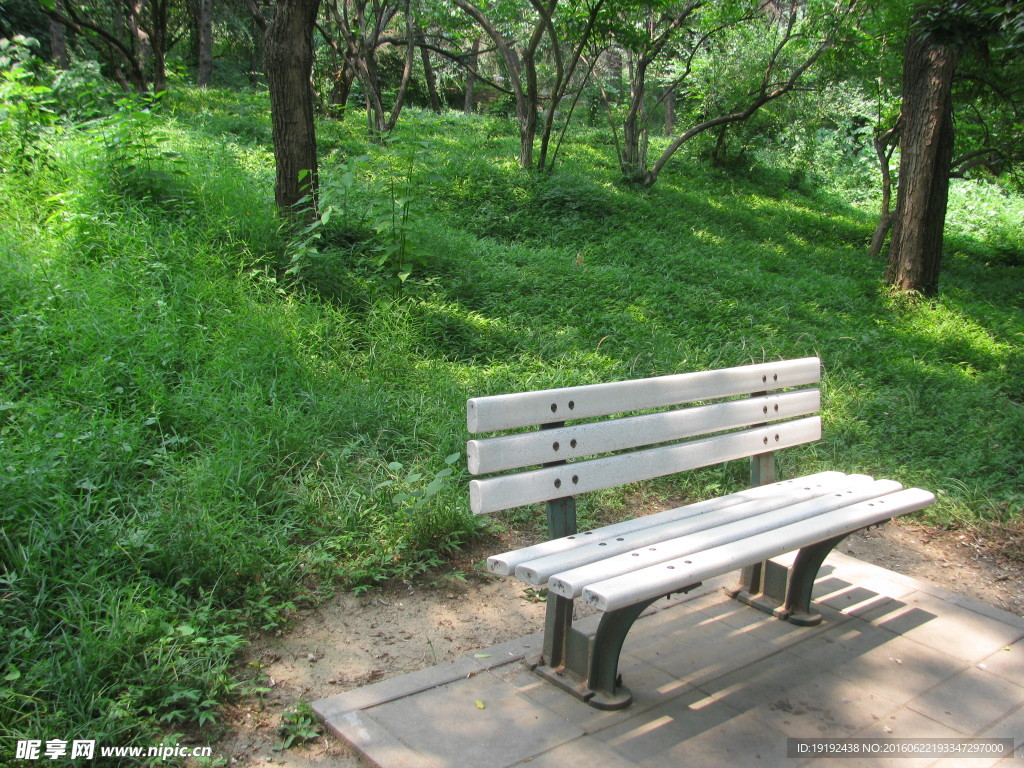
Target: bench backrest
{"points": [[566, 460]]}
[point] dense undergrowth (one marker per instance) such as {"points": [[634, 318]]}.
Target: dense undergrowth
{"points": [[205, 420]]}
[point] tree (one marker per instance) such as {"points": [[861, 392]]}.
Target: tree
{"points": [[941, 36], [288, 52], [201, 12], [767, 47], [522, 62], [927, 151], [363, 24]]}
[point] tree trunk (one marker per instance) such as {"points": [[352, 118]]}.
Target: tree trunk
{"points": [[469, 105], [428, 74], [884, 147], [58, 45], [204, 33], [670, 112], [926, 153], [288, 53]]}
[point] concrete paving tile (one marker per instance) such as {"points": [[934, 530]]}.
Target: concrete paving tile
{"points": [[1010, 727], [801, 700], [902, 724], [739, 742], [655, 736], [970, 701], [580, 753], [377, 743], [747, 618], [953, 629], [895, 667], [650, 687], [697, 647], [394, 688], [1007, 663], [856, 600], [448, 726]]}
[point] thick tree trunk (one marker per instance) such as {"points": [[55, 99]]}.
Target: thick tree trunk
{"points": [[58, 45], [926, 153], [288, 53]]}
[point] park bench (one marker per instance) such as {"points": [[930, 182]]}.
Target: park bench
{"points": [[629, 431]]}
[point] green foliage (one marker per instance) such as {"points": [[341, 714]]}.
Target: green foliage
{"points": [[27, 107], [138, 164], [360, 241], [298, 725]]}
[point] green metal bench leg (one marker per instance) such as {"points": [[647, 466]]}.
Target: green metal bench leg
{"points": [[604, 679], [801, 582], [786, 592]]}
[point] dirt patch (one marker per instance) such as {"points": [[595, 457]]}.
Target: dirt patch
{"points": [[355, 640]]}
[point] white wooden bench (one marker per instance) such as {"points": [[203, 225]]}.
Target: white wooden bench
{"points": [[736, 413]]}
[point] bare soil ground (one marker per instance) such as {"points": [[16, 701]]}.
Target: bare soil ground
{"points": [[355, 640]]}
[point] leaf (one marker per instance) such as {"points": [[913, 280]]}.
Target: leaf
{"points": [[12, 676], [481, 655], [480, 704], [453, 458]]}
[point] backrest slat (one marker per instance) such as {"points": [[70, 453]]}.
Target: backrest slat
{"points": [[531, 487], [570, 443], [526, 409]]}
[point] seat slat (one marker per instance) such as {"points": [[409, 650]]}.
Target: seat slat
{"points": [[531, 487], [571, 583], [497, 454], [528, 409], [505, 563], [650, 583], [658, 541]]}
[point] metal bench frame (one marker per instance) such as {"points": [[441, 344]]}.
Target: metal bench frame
{"points": [[587, 665]]}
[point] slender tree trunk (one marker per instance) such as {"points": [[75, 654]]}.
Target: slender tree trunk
{"points": [[884, 146], [670, 112], [288, 53], [204, 34], [428, 73], [410, 58], [926, 153], [469, 105]]}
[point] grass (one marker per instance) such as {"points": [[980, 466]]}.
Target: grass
{"points": [[195, 439]]}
